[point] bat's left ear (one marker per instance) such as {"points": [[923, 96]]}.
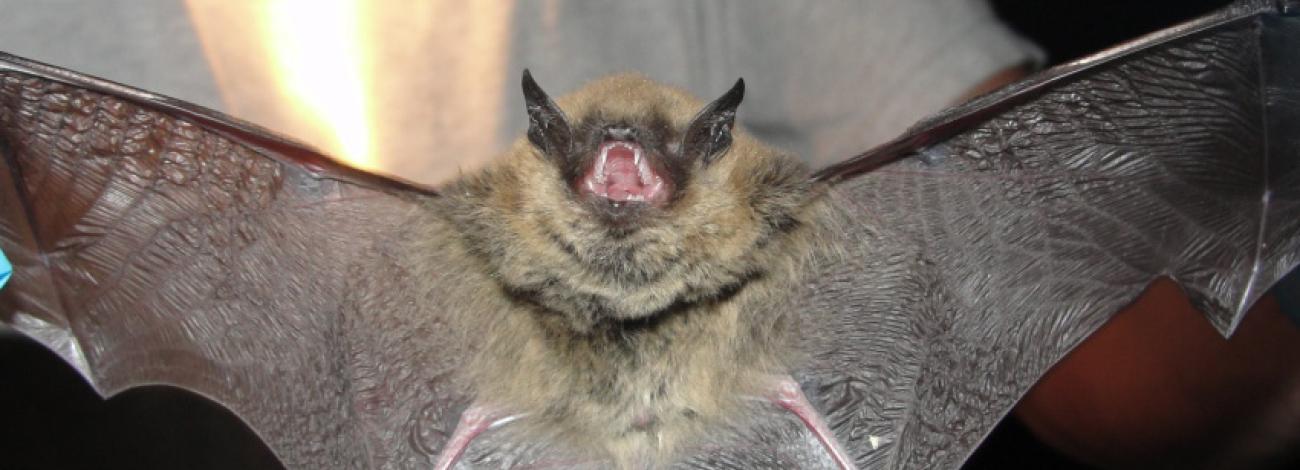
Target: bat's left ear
{"points": [[709, 134], [548, 129]]}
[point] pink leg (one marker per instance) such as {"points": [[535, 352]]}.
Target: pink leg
{"points": [[475, 420], [786, 392]]}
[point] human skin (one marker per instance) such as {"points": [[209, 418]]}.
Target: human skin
{"points": [[1159, 386]]}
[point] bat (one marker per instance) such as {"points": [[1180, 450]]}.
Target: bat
{"points": [[902, 300], [624, 270]]}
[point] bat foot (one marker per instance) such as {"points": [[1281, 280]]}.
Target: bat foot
{"points": [[786, 393], [476, 419]]}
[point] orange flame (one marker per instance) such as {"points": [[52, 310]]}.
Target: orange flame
{"points": [[412, 89], [317, 52]]}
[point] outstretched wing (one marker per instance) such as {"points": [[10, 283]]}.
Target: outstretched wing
{"points": [[997, 236], [158, 243]]}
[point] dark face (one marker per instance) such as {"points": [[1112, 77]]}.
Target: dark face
{"points": [[645, 203], [627, 169]]}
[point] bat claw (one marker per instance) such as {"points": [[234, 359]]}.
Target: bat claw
{"points": [[786, 393], [476, 419]]}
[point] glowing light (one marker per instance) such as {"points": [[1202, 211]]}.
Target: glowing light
{"points": [[412, 89], [317, 53]]}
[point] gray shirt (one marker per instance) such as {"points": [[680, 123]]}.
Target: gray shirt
{"points": [[826, 79]]}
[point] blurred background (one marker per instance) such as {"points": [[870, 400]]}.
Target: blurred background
{"points": [[426, 90]]}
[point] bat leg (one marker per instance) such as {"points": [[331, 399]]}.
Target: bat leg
{"points": [[786, 393], [476, 419]]}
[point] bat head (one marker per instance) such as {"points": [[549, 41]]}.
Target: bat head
{"points": [[624, 164], [629, 199]]}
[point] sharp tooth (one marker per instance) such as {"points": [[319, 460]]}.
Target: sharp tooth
{"points": [[643, 169], [636, 156], [600, 165]]}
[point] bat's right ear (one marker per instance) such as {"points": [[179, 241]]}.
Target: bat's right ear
{"points": [[548, 129]]}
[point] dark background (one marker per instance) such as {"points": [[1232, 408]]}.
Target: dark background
{"points": [[53, 420]]}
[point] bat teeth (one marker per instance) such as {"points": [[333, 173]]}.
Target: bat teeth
{"points": [[642, 167], [600, 165], [628, 177]]}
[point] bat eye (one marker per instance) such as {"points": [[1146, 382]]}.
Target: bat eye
{"points": [[709, 134]]}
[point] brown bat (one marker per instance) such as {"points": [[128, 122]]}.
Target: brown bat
{"points": [[639, 282], [629, 271]]}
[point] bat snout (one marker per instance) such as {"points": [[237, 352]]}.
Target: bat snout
{"points": [[622, 173]]}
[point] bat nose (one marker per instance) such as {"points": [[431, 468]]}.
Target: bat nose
{"points": [[620, 133]]}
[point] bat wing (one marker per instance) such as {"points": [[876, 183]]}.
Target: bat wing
{"points": [[994, 238], [157, 243]]}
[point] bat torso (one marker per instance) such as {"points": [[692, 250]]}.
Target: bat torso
{"points": [[633, 390], [625, 334]]}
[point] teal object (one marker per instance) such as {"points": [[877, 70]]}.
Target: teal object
{"points": [[5, 269]]}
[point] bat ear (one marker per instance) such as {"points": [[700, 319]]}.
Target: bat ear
{"points": [[709, 134], [548, 129]]}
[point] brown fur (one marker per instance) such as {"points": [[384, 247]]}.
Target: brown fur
{"points": [[626, 344]]}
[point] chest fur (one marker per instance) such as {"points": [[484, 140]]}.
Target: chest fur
{"points": [[635, 387]]}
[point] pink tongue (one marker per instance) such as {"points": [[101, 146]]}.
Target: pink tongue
{"points": [[620, 178], [620, 169], [621, 175]]}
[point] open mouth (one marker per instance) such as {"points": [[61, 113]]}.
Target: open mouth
{"points": [[622, 173]]}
